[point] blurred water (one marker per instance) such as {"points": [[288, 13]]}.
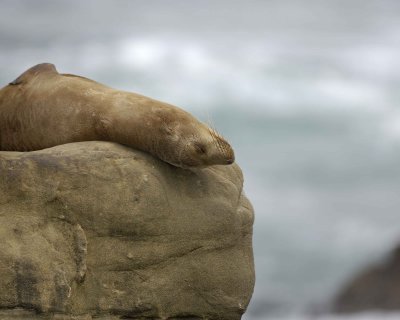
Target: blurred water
{"points": [[359, 316], [306, 91]]}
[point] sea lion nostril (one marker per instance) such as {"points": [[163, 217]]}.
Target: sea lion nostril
{"points": [[230, 161]]}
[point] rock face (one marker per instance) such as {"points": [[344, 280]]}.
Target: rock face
{"points": [[376, 288], [95, 229]]}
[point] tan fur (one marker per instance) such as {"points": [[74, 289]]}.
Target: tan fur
{"points": [[43, 108]]}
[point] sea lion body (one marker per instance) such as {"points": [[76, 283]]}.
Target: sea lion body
{"points": [[43, 108]]}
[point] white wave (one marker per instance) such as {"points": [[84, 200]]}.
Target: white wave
{"points": [[261, 77]]}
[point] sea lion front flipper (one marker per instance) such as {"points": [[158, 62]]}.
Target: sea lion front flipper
{"points": [[35, 70]]}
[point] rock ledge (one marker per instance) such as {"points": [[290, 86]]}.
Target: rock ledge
{"points": [[98, 230]]}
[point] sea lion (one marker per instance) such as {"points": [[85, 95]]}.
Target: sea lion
{"points": [[43, 108]]}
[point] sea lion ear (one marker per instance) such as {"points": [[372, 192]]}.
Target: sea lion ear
{"points": [[38, 69]]}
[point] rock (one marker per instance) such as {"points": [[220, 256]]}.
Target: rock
{"points": [[377, 288], [95, 229]]}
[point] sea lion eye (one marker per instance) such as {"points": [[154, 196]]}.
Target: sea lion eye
{"points": [[200, 148]]}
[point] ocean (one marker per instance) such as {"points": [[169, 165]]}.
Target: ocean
{"points": [[307, 92]]}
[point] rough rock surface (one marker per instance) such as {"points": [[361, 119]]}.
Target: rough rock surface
{"points": [[377, 288], [98, 230]]}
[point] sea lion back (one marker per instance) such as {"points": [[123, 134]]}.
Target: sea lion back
{"points": [[35, 71]]}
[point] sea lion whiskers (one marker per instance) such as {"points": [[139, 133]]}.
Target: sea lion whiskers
{"points": [[216, 139], [213, 131], [223, 146]]}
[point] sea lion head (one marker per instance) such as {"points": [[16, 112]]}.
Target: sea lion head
{"points": [[190, 143], [205, 148]]}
